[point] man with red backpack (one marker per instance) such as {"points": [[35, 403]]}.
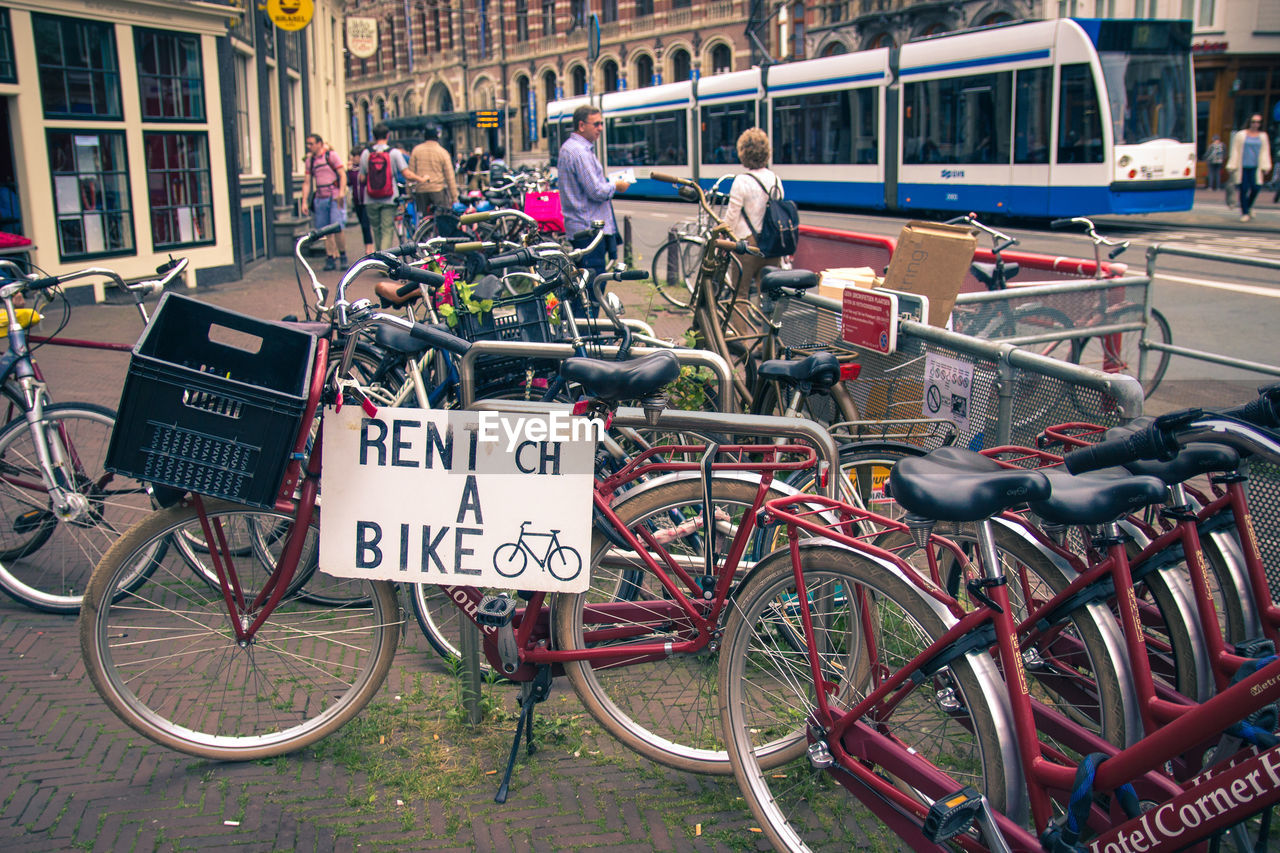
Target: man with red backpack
{"points": [[324, 192], [380, 169]]}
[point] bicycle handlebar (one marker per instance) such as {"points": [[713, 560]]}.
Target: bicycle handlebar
{"points": [[999, 240], [1243, 427]]}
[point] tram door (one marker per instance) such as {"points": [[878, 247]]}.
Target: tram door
{"points": [[1032, 140]]}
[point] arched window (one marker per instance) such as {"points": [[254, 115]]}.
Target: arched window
{"points": [[549, 86], [380, 109], [579, 80], [609, 74], [996, 18], [395, 105], [881, 40], [721, 59], [680, 66], [644, 71], [411, 103], [835, 49]]}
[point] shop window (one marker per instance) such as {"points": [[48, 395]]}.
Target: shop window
{"points": [[178, 189], [91, 193]]}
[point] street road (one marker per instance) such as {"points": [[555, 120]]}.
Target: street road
{"points": [[1218, 307]]}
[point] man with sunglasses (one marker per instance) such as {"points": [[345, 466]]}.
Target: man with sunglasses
{"points": [[585, 193]]}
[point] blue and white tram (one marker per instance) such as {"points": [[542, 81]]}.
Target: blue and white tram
{"points": [[1049, 118]]}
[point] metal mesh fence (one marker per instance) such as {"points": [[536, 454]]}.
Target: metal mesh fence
{"points": [[892, 387]]}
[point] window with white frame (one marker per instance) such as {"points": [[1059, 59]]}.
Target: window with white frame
{"points": [[91, 193]]}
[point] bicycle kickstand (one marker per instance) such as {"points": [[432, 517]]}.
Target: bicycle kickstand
{"points": [[531, 693]]}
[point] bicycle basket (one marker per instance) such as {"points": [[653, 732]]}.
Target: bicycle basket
{"points": [[212, 402], [521, 318]]}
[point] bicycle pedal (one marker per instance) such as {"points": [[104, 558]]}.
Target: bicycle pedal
{"points": [[495, 611], [952, 815], [30, 522], [1259, 647]]}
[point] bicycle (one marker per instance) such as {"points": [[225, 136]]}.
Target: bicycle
{"points": [[852, 741], [562, 562], [61, 508], [1120, 351], [676, 262], [237, 645]]}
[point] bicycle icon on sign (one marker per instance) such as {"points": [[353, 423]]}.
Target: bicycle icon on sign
{"points": [[562, 562]]}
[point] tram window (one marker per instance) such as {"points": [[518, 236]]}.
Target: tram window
{"points": [[958, 119], [722, 124], [557, 132], [657, 139], [1079, 117], [828, 127], [1031, 132]]}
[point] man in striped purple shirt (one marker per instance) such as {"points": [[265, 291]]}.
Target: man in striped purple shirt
{"points": [[585, 193]]}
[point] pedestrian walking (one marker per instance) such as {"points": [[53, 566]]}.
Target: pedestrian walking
{"points": [[585, 194], [476, 167], [1214, 156], [431, 169], [380, 167], [357, 199], [324, 195], [748, 198], [1249, 161]]}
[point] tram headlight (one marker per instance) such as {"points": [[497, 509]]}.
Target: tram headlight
{"points": [[1125, 161]]}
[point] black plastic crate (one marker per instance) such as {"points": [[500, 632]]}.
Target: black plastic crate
{"points": [[212, 402], [521, 318]]}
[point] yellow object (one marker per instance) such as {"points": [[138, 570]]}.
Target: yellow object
{"points": [[27, 317]]}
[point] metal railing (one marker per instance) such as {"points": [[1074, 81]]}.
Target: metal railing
{"points": [[1153, 254]]}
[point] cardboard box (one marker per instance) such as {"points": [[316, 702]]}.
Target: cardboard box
{"points": [[932, 259], [834, 281]]}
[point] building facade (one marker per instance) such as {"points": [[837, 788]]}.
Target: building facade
{"points": [[133, 130], [849, 25], [439, 60]]}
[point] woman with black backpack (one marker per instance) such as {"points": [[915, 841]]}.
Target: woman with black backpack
{"points": [[757, 212]]}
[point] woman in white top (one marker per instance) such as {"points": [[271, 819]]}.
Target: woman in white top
{"points": [[747, 199]]}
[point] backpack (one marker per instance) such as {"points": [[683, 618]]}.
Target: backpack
{"points": [[780, 228], [327, 161], [378, 175]]}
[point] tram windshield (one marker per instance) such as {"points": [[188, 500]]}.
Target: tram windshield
{"points": [[1147, 68]]}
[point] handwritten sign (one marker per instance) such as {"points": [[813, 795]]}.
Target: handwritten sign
{"points": [[458, 498], [869, 319]]}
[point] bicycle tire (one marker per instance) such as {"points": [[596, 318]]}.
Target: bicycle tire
{"points": [[864, 470], [564, 574], [1035, 395], [768, 694], [675, 269], [46, 560], [663, 709], [1106, 353], [1075, 671], [309, 669]]}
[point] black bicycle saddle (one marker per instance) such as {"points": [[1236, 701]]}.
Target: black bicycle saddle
{"points": [[622, 380]]}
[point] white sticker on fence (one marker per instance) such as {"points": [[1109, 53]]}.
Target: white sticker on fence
{"points": [[461, 498], [948, 383]]}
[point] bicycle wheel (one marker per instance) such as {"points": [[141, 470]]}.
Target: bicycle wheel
{"points": [[675, 268], [1118, 353], [165, 658], [868, 622], [1035, 396], [864, 470], [1070, 663], [663, 707], [48, 553]]}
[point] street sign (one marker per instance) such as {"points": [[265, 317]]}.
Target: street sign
{"points": [[290, 14], [486, 119], [593, 38], [870, 319]]}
